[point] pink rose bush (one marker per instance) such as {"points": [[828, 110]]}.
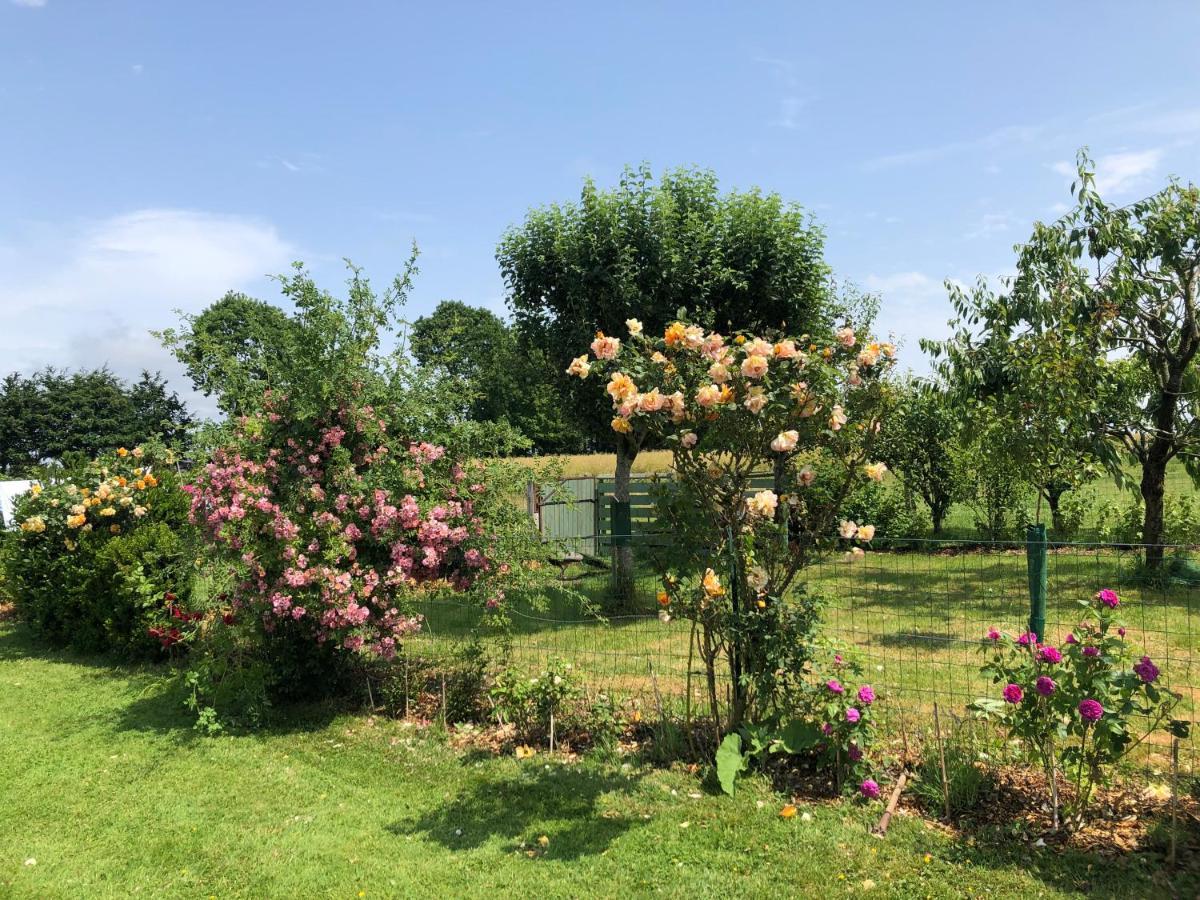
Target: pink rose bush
{"points": [[334, 527], [1080, 706]]}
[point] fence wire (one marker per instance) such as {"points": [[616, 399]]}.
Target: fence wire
{"points": [[913, 614]]}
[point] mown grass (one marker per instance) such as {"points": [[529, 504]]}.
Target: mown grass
{"points": [[105, 791]]}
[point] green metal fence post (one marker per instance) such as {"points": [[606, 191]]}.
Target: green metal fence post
{"points": [[622, 523], [1035, 562]]}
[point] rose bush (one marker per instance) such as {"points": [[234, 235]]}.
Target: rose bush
{"points": [[807, 410], [1080, 706], [98, 549]]}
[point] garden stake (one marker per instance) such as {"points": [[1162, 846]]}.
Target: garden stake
{"points": [[662, 718], [551, 729], [937, 729], [1174, 799], [882, 827], [443, 700]]}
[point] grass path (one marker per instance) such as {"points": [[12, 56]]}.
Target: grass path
{"points": [[103, 783]]}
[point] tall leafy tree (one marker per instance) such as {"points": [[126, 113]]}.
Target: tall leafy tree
{"points": [[502, 378], [57, 414], [644, 250], [230, 348], [1101, 329]]}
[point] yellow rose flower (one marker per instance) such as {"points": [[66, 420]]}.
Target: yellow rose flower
{"points": [[621, 425], [121, 451]]}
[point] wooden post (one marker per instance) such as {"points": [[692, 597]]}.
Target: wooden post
{"points": [[882, 827], [1174, 799]]}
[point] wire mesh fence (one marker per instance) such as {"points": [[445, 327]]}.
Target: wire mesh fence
{"points": [[914, 615]]}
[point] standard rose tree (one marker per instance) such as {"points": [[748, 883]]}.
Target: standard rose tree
{"points": [[804, 409]]}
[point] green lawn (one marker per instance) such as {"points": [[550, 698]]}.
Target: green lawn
{"points": [[105, 791]]}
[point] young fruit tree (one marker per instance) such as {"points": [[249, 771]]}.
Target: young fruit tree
{"points": [[1098, 336]]}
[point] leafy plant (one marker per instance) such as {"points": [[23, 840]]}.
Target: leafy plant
{"points": [[1078, 706]]}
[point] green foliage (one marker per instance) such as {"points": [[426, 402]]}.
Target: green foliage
{"points": [[731, 762], [645, 249], [1095, 345], [500, 379], [968, 776], [918, 442], [541, 705], [232, 348], [94, 556], [55, 416], [891, 508], [993, 490]]}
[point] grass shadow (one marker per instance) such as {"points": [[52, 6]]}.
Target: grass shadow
{"points": [[562, 803]]}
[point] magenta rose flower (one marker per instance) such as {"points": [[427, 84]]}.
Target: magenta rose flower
{"points": [[834, 685], [852, 715], [869, 788], [1050, 655], [1045, 685], [866, 694], [1091, 651], [855, 753], [1108, 598], [1146, 670], [1027, 638], [1091, 710], [993, 634], [1121, 631], [1071, 639], [1013, 693]]}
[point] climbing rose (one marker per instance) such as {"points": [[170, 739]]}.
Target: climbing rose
{"points": [[869, 789], [1045, 685], [1091, 710], [1146, 670], [1013, 693], [1109, 598]]}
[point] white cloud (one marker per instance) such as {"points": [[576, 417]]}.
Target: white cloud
{"points": [[31, 4], [1118, 173], [991, 224], [83, 296], [1002, 137]]}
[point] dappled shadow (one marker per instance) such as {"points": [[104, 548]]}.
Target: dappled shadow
{"points": [[561, 802], [929, 640]]}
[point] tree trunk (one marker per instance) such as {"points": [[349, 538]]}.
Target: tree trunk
{"points": [[1154, 478], [1054, 501], [622, 551], [937, 512]]}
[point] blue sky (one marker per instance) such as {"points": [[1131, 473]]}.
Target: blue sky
{"points": [[156, 154]]}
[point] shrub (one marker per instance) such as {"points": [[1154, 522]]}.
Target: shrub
{"points": [[97, 552], [892, 509], [336, 518], [1077, 706], [541, 705], [808, 409], [830, 717]]}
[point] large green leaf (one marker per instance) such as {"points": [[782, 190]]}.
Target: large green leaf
{"points": [[730, 762]]}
